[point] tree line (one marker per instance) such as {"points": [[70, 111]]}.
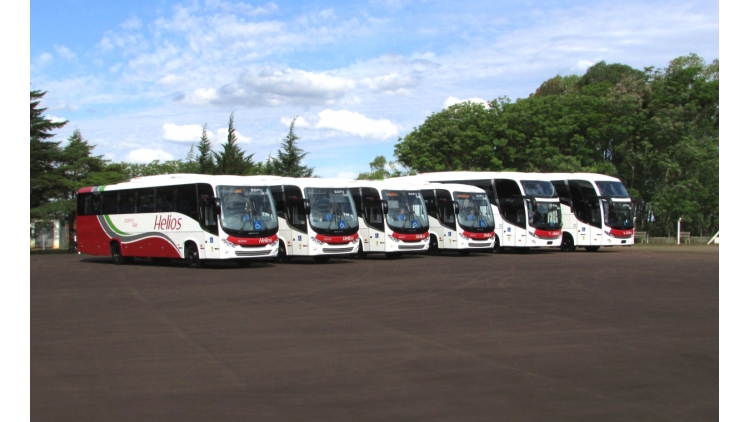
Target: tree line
{"points": [[657, 130], [58, 172]]}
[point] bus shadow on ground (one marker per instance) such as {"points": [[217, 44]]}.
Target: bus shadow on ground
{"points": [[177, 263]]}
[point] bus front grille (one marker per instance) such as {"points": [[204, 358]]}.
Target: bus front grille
{"points": [[337, 250], [480, 244], [412, 247], [252, 253]]}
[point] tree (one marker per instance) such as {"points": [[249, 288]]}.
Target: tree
{"points": [[206, 164], [43, 153], [232, 160], [378, 170], [288, 161], [458, 138]]}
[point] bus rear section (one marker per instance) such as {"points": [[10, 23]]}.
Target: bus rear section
{"points": [[526, 209], [392, 218], [460, 216], [317, 218], [190, 217], [597, 211]]}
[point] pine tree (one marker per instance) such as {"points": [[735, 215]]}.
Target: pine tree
{"points": [[289, 159], [206, 164], [43, 153], [232, 159]]}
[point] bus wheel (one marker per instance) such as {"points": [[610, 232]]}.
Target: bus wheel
{"points": [[497, 248], [321, 259], [192, 256], [592, 248], [282, 257], [464, 252], [434, 248], [360, 252], [567, 244], [116, 253], [393, 255]]}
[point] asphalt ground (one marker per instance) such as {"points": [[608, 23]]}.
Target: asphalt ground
{"points": [[618, 335]]}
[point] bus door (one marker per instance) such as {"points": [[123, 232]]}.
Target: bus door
{"points": [[296, 218], [511, 225], [374, 220], [588, 213], [210, 248], [447, 219]]}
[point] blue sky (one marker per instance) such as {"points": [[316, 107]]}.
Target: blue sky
{"points": [[140, 78]]}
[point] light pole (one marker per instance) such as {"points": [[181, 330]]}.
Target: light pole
{"points": [[679, 220]]}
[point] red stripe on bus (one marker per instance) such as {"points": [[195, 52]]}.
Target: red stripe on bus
{"points": [[548, 234], [337, 239], [472, 235], [411, 237], [252, 241], [622, 233]]}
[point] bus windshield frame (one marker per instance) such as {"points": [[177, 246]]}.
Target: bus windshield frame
{"points": [[332, 211], [247, 211], [620, 215], [407, 212], [547, 216], [474, 212]]}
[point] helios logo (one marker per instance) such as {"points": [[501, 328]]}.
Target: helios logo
{"points": [[167, 223]]}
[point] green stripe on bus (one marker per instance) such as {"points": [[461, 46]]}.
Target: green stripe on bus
{"points": [[112, 226]]}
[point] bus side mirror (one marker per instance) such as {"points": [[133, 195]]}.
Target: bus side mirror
{"points": [[533, 204], [306, 206], [217, 205], [456, 207], [385, 206]]}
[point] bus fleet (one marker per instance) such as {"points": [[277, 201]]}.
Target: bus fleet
{"points": [[198, 218]]}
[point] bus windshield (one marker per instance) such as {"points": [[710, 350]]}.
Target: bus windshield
{"points": [[547, 216], [332, 210], [613, 189], [619, 215], [538, 188], [246, 210], [474, 212], [406, 211]]}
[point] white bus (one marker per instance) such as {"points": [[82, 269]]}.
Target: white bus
{"points": [[460, 217], [317, 218], [193, 217], [392, 218], [525, 206], [596, 210]]}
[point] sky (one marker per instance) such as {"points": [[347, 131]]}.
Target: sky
{"points": [[140, 78]]}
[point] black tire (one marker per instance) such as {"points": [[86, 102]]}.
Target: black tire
{"points": [[321, 259], [360, 252], [497, 248], [116, 253], [464, 252], [592, 248], [434, 248], [567, 245], [244, 263], [282, 256], [393, 255], [192, 257]]}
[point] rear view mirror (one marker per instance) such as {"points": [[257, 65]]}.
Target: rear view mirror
{"points": [[306, 206], [385, 206], [216, 202], [456, 207]]}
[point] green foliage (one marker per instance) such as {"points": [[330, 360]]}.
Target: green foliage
{"points": [[288, 161], [43, 154], [232, 160], [206, 164], [378, 170], [656, 130]]}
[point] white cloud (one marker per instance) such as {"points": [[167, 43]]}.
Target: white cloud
{"points": [[224, 132], [356, 124], [453, 100], [132, 23], [145, 155], [64, 52], [582, 66], [45, 58], [55, 119], [184, 133], [393, 83]]}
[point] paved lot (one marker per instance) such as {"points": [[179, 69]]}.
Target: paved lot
{"points": [[617, 335]]}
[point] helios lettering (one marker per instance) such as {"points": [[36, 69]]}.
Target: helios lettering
{"points": [[167, 223]]}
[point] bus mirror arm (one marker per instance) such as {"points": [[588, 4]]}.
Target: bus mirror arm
{"points": [[566, 201]]}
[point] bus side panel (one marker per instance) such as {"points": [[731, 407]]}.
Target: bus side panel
{"points": [[91, 238], [154, 247]]}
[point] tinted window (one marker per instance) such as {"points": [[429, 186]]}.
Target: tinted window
{"points": [[109, 202], [165, 197], [126, 201], [145, 200], [186, 201]]}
